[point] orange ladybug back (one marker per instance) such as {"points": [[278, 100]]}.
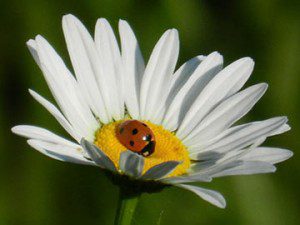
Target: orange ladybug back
{"points": [[136, 136]]}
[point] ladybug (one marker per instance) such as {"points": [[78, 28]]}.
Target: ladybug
{"points": [[136, 136]]}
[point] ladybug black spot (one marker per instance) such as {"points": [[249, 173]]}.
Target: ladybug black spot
{"points": [[147, 137], [131, 143], [134, 131]]}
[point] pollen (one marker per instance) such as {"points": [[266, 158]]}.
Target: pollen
{"points": [[168, 147]]}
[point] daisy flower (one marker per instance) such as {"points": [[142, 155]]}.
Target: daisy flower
{"points": [[151, 122]]}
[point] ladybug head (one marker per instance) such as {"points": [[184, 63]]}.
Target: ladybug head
{"points": [[148, 149]]}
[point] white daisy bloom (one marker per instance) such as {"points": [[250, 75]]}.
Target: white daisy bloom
{"points": [[188, 113]]}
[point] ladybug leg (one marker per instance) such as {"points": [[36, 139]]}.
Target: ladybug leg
{"points": [[148, 149]]}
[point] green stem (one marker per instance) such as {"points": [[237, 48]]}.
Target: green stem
{"points": [[126, 207]]}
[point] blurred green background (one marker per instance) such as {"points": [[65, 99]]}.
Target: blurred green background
{"points": [[37, 190]]}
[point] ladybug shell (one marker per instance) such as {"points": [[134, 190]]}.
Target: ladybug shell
{"points": [[136, 136]]}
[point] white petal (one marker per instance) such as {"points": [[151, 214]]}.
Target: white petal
{"points": [[32, 48], [211, 196], [240, 136], [179, 78], [65, 89], [187, 94], [225, 114], [225, 161], [223, 85], [158, 73], [182, 75], [131, 163], [267, 154], [60, 152], [109, 52], [208, 156], [247, 168], [33, 132], [57, 115], [161, 170], [134, 68], [284, 128], [86, 63], [97, 155], [187, 179]]}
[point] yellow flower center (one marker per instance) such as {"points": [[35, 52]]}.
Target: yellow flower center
{"points": [[168, 147]]}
